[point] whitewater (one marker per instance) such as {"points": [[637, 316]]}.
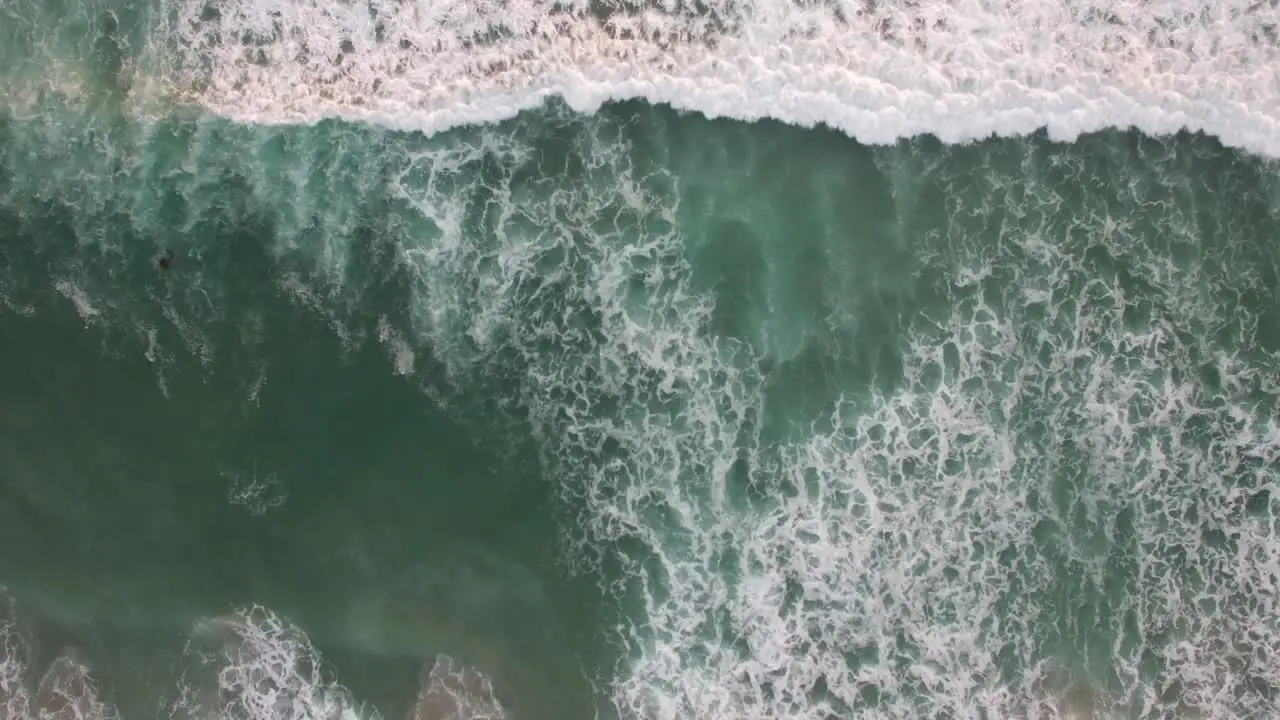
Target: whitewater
{"points": [[878, 71], [1067, 450]]}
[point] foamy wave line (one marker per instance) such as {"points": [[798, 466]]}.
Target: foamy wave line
{"points": [[876, 71]]}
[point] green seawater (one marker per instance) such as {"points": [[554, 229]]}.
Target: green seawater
{"points": [[635, 414]]}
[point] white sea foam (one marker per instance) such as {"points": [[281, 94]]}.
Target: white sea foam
{"points": [[1049, 459], [67, 691], [400, 352], [878, 70], [15, 694], [79, 299], [901, 559], [875, 572], [255, 665]]}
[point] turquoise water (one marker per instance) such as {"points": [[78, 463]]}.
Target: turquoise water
{"points": [[629, 413]]}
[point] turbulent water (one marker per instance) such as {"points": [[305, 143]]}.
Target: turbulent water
{"points": [[687, 361]]}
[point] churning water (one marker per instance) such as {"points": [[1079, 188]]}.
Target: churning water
{"points": [[732, 360]]}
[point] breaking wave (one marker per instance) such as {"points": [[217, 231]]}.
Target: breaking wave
{"points": [[1057, 495], [878, 70]]}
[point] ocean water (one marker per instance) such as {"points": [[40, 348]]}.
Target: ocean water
{"points": [[682, 361]]}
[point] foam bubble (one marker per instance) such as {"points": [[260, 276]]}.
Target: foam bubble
{"points": [[878, 71]]}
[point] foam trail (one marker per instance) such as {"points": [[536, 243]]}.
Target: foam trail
{"points": [[876, 70]]}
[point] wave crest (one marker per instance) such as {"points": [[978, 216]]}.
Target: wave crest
{"points": [[876, 70]]}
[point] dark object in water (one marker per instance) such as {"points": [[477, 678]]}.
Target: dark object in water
{"points": [[166, 261]]}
